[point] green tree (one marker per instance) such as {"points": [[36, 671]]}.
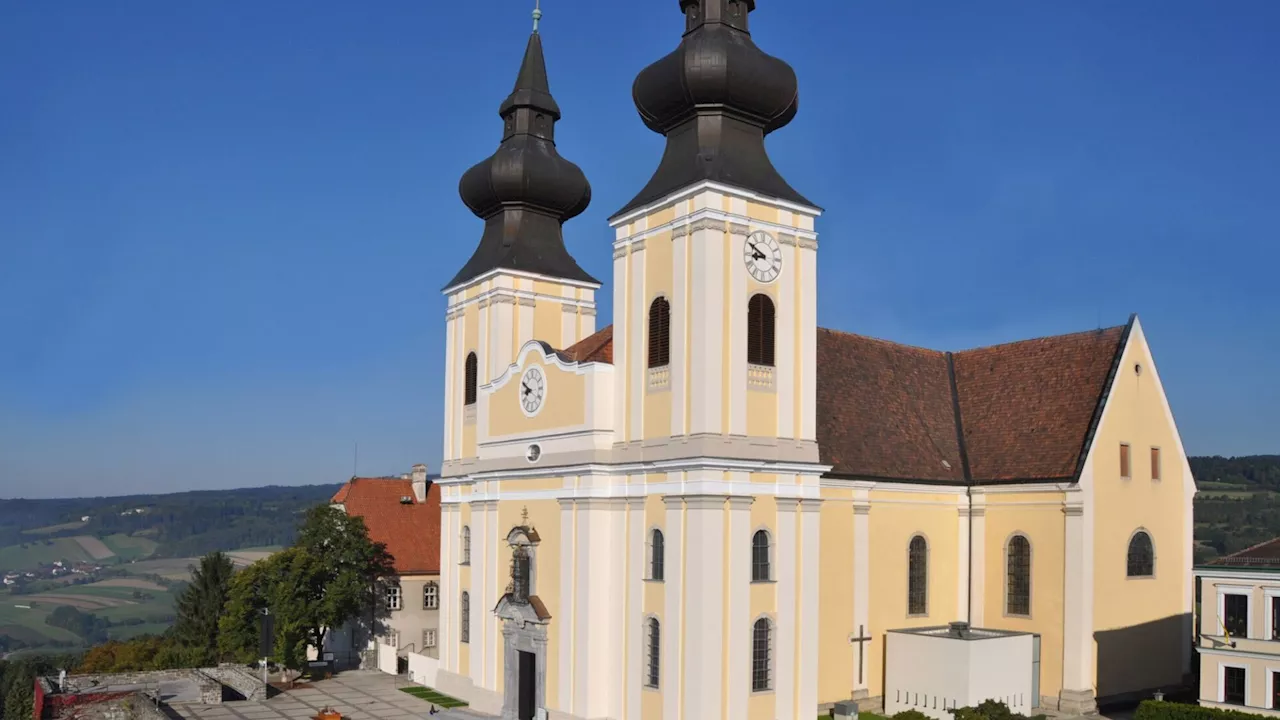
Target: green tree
{"points": [[331, 575], [19, 702], [200, 606]]}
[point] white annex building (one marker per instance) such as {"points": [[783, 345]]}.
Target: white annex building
{"points": [[714, 508]]}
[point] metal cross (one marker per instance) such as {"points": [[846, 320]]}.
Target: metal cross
{"points": [[861, 639]]}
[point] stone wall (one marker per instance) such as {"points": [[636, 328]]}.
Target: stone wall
{"points": [[238, 683], [216, 685]]}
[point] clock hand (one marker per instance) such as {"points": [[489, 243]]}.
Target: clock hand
{"points": [[755, 253], [527, 389]]}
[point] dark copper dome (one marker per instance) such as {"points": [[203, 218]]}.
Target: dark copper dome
{"points": [[715, 97], [525, 191]]}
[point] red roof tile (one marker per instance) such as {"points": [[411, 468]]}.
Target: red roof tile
{"points": [[411, 531], [595, 348], [1263, 555], [1026, 408]]}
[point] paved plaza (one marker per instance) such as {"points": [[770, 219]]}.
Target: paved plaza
{"points": [[357, 694]]}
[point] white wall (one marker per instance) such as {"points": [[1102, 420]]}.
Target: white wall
{"points": [[387, 658], [422, 669], [933, 673]]}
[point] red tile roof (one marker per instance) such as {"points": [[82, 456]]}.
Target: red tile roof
{"points": [[410, 531], [1263, 555], [595, 348], [1019, 411]]}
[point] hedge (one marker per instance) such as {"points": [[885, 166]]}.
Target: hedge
{"points": [[1161, 710]]}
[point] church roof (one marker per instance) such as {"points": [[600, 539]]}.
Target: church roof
{"points": [[411, 531], [1019, 412], [525, 191], [1263, 555], [715, 98]]}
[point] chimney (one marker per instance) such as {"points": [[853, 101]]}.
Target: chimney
{"points": [[420, 482]]}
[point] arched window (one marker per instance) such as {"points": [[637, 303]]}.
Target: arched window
{"points": [[659, 333], [762, 655], [430, 596], [466, 545], [653, 653], [760, 330], [917, 576], [1142, 556], [464, 617], [657, 552], [473, 372], [1018, 584], [760, 570], [520, 575]]}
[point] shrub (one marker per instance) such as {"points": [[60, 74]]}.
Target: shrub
{"points": [[911, 715], [990, 710], [1161, 710]]}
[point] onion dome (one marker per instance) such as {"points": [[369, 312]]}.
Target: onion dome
{"points": [[525, 191], [715, 98]]}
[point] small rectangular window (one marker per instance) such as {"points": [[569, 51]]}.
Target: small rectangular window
{"points": [[1275, 618], [1275, 691], [1124, 461], [1155, 463], [428, 638], [1233, 685]]}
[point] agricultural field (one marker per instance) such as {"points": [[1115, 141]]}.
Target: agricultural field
{"points": [[130, 547], [42, 552], [117, 599], [51, 529]]}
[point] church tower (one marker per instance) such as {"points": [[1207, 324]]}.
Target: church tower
{"points": [[715, 259], [521, 283]]}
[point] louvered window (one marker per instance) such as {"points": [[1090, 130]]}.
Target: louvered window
{"points": [[473, 372], [1018, 586], [760, 326], [917, 576], [659, 333]]}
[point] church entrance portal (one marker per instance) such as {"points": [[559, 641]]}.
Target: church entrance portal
{"points": [[528, 676]]}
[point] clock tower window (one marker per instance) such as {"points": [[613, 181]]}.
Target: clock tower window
{"points": [[472, 372], [659, 333], [760, 330]]}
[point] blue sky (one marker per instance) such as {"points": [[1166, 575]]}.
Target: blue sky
{"points": [[224, 226]]}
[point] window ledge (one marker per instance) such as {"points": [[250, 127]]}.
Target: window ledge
{"points": [[760, 377], [654, 580], [651, 688], [465, 564], [660, 378], [770, 691], [763, 582], [469, 414]]}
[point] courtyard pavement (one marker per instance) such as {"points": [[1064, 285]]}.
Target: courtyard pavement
{"points": [[357, 694]]}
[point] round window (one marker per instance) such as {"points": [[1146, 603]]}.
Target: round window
{"points": [[533, 453]]}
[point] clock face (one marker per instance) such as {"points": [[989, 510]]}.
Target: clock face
{"points": [[763, 256], [533, 391]]}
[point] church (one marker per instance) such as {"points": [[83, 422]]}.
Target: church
{"points": [[712, 507]]}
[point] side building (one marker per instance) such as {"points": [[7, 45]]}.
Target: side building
{"points": [[403, 513], [1239, 634]]}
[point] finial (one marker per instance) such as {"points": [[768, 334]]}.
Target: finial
{"points": [[537, 14], [524, 516]]}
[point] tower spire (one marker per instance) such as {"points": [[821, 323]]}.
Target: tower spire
{"points": [[525, 191], [537, 14]]}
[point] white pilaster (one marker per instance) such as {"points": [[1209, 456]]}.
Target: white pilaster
{"points": [[978, 558], [634, 674], [565, 641], [706, 334], [481, 603], [673, 604], [445, 636], [582, 608], [861, 586], [568, 324], [704, 632], [637, 326], [680, 311], [807, 666], [788, 313], [495, 587], [963, 577], [738, 684], [808, 369], [621, 369], [784, 559], [738, 298], [458, 389], [451, 419], [1075, 635]]}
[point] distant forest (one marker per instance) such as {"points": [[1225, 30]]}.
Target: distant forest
{"points": [[1238, 504], [186, 524]]}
